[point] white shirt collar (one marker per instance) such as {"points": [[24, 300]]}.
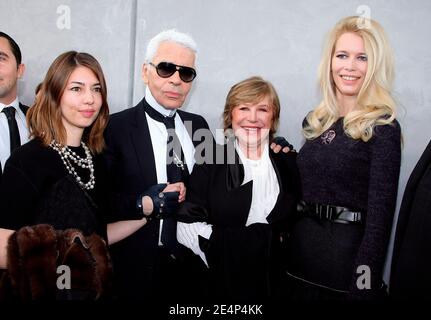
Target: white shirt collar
{"points": [[14, 104], [157, 106], [264, 156]]}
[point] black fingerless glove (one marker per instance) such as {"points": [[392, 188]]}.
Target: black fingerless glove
{"points": [[281, 141], [165, 204]]}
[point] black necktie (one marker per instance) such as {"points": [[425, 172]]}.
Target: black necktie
{"points": [[176, 167], [175, 163], [176, 171], [15, 140]]}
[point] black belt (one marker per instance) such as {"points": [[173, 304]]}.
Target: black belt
{"points": [[333, 213]]}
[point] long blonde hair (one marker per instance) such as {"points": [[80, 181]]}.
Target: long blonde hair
{"points": [[375, 103]]}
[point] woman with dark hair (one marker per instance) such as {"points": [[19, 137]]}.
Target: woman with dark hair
{"points": [[66, 124], [57, 178]]}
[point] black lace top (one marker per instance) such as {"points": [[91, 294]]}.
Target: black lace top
{"points": [[338, 170], [37, 188]]}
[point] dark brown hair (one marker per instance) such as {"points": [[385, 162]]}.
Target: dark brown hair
{"points": [[44, 118], [14, 47]]}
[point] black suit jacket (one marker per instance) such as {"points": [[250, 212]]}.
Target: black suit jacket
{"points": [[245, 263], [411, 260], [24, 109], [130, 161]]}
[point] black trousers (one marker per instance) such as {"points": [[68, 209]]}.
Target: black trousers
{"points": [[166, 279]]}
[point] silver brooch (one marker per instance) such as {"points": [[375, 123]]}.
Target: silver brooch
{"points": [[178, 162], [328, 136]]}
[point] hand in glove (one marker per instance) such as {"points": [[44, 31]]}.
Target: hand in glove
{"points": [[280, 143], [163, 202]]}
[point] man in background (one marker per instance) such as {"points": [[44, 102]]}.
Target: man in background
{"points": [[13, 128]]}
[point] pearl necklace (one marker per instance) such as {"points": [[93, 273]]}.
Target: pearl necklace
{"points": [[66, 154]]}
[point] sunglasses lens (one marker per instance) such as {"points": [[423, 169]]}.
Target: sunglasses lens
{"points": [[166, 69], [187, 74]]}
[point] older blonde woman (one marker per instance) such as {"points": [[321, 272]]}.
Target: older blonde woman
{"points": [[236, 209]]}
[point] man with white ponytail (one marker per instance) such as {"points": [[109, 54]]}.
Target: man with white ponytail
{"points": [[150, 155]]}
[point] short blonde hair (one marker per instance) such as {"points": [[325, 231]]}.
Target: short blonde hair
{"points": [[375, 103], [252, 90]]}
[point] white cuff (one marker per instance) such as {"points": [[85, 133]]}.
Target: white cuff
{"points": [[187, 235], [205, 230]]}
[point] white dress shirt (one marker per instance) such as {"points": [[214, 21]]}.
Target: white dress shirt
{"points": [[264, 197], [265, 185], [159, 136], [4, 130]]}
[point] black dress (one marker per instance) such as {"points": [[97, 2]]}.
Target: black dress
{"points": [[340, 171], [36, 188], [245, 263]]}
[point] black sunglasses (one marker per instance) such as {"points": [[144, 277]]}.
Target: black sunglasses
{"points": [[167, 69]]}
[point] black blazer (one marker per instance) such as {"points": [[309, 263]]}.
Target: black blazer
{"points": [[244, 262], [411, 260], [24, 109], [130, 161]]}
